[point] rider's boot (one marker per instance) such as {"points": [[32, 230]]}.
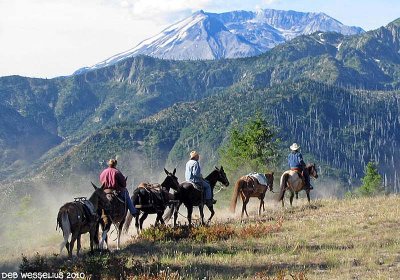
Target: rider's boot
{"points": [[308, 187], [210, 202]]}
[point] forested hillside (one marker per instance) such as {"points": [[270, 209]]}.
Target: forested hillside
{"points": [[336, 95]]}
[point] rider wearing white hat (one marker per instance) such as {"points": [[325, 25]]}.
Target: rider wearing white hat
{"points": [[193, 174], [296, 163]]}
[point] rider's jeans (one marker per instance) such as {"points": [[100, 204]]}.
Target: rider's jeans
{"points": [[207, 189], [125, 196]]}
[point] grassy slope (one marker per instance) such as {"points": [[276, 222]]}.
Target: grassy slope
{"points": [[331, 239]]}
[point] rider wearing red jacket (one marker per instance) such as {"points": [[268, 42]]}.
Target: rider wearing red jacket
{"points": [[112, 178]]}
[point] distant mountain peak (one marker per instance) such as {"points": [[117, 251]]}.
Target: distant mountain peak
{"points": [[395, 22], [233, 34]]}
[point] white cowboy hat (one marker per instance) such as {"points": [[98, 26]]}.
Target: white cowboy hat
{"points": [[193, 154], [294, 147]]}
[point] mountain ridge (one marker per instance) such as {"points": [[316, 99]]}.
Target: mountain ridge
{"points": [[229, 35]]}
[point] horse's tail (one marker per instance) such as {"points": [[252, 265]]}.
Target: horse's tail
{"points": [[65, 225], [168, 215], [128, 222], [284, 180], [235, 195]]}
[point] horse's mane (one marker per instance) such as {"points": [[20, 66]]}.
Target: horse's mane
{"points": [[211, 174]]}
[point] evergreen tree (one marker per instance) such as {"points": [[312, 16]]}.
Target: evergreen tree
{"points": [[251, 148], [372, 181]]}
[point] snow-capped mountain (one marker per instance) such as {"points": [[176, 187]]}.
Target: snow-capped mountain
{"points": [[229, 35]]}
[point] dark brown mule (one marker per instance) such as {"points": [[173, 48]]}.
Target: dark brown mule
{"points": [[152, 199], [71, 220], [248, 186], [190, 196], [114, 216], [291, 181]]}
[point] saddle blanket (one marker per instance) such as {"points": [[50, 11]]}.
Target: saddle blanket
{"points": [[260, 178]]}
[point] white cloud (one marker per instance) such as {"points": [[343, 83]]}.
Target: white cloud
{"points": [[170, 10], [269, 2], [51, 38], [47, 38]]}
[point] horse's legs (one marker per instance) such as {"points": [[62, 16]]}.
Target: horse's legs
{"points": [[104, 238], [291, 198], [95, 237], [211, 208], [283, 198], [137, 223], [67, 246], [308, 196], [245, 208], [245, 200], [120, 225], [261, 203], [78, 245], [144, 216], [74, 236], [189, 214], [92, 237], [201, 209], [156, 221], [159, 219], [176, 214]]}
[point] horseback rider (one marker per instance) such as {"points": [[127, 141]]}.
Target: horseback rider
{"points": [[112, 178], [296, 163], [193, 174]]}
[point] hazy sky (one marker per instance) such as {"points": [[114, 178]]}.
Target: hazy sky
{"points": [[48, 38]]}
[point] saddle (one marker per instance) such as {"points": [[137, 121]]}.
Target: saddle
{"points": [[261, 178], [300, 173], [88, 208], [114, 193], [155, 192], [195, 186]]}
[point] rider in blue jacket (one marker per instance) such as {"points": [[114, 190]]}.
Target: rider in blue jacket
{"points": [[296, 163], [193, 174]]}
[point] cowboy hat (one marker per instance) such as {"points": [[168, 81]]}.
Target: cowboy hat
{"points": [[193, 154], [294, 147]]}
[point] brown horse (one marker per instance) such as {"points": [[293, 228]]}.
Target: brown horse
{"points": [[115, 216], [74, 221], [152, 199], [290, 180], [248, 186]]}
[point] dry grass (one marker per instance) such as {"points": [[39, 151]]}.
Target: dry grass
{"points": [[330, 239]]}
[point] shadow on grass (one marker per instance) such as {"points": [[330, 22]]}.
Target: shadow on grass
{"points": [[121, 266], [201, 270]]}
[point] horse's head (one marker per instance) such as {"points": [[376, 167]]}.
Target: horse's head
{"points": [[171, 181], [222, 176], [270, 180], [101, 196], [312, 170]]}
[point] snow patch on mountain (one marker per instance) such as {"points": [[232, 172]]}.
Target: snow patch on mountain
{"points": [[229, 35]]}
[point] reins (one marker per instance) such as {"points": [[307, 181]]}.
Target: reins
{"points": [[221, 187]]}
